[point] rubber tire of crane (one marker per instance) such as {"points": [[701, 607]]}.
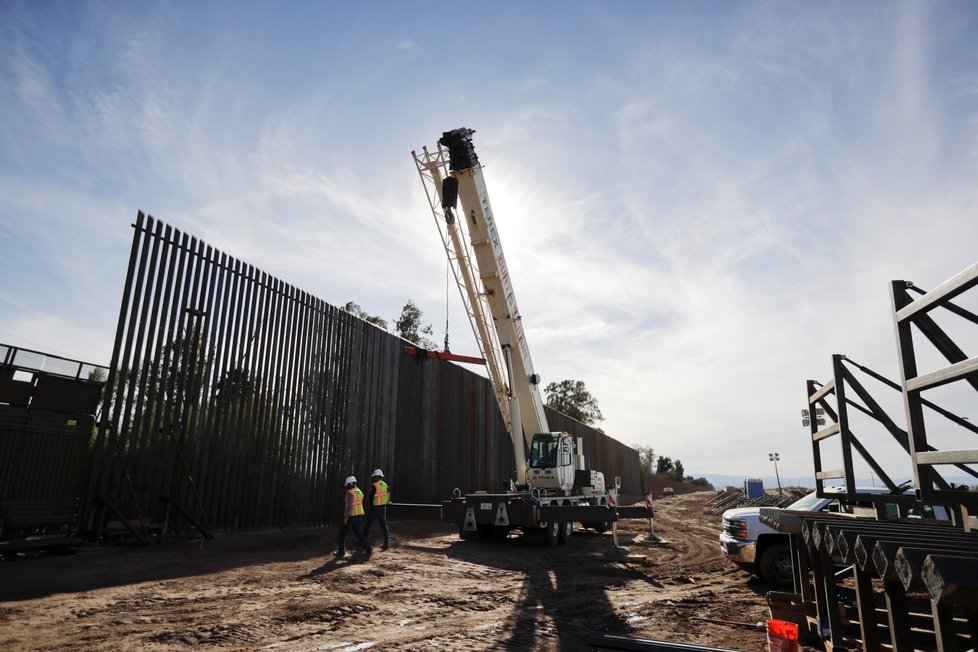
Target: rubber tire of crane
{"points": [[775, 566], [552, 536], [566, 531]]}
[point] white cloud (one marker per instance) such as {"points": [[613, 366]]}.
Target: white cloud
{"points": [[693, 227]]}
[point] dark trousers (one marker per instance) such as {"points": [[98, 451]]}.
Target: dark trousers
{"points": [[377, 513], [354, 523]]}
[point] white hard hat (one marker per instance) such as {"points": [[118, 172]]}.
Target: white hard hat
{"points": [[351, 480], [377, 472]]}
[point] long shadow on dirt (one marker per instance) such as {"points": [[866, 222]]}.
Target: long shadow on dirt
{"points": [[563, 598], [97, 567]]}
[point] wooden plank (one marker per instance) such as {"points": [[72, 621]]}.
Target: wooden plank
{"points": [[946, 291], [943, 376]]}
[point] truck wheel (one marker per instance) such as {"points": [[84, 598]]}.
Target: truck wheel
{"points": [[566, 530], [553, 533], [775, 566], [467, 535]]}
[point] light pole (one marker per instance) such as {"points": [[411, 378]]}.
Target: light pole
{"points": [[774, 457]]}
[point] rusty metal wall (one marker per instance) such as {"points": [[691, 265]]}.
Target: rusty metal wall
{"points": [[246, 401]]}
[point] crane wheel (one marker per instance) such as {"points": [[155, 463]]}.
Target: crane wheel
{"points": [[566, 530], [553, 533]]}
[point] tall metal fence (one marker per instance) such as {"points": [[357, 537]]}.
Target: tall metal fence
{"points": [[237, 400]]}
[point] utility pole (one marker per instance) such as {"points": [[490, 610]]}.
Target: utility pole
{"points": [[774, 457]]}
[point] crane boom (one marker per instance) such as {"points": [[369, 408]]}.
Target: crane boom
{"points": [[554, 488], [471, 238]]}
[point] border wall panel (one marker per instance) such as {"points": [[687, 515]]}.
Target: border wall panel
{"points": [[249, 401]]}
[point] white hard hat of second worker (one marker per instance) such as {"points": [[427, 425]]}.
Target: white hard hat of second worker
{"points": [[351, 480], [378, 473]]}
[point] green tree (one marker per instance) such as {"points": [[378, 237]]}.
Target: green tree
{"points": [[572, 398], [355, 309], [663, 466], [678, 470], [410, 327], [645, 457]]}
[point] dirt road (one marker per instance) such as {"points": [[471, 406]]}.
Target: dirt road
{"points": [[283, 591]]}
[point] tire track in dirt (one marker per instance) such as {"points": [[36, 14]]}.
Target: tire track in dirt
{"points": [[281, 591]]}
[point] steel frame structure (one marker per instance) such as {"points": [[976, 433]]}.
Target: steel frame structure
{"points": [[843, 385], [910, 312]]}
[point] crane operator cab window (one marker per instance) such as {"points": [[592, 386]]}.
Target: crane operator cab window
{"points": [[543, 451]]}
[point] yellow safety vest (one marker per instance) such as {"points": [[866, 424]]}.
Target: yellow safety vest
{"points": [[380, 493], [357, 502]]}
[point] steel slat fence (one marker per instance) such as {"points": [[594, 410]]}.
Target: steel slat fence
{"points": [[246, 401]]}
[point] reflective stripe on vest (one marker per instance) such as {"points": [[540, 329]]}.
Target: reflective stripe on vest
{"points": [[380, 493], [357, 502]]}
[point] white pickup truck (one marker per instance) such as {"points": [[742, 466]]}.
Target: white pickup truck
{"points": [[764, 551]]}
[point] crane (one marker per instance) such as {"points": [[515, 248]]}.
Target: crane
{"points": [[550, 466]]}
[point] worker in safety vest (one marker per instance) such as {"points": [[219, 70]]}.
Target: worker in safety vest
{"points": [[377, 500], [352, 519]]}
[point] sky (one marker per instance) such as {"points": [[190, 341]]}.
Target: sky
{"points": [[700, 202]]}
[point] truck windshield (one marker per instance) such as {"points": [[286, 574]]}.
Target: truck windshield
{"points": [[807, 503], [543, 452]]}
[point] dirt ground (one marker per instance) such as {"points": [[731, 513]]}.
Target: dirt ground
{"points": [[283, 591]]}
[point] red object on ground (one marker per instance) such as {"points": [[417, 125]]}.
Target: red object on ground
{"points": [[782, 636]]}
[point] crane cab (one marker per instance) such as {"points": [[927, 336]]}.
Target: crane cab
{"points": [[554, 459]]}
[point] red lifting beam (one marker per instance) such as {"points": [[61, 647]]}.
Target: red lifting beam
{"points": [[442, 355]]}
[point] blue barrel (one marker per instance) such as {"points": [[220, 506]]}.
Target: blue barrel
{"points": [[755, 487]]}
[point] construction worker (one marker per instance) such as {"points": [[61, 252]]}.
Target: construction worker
{"points": [[352, 519], [378, 498]]}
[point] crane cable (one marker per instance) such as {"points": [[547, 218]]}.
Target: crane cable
{"points": [[448, 276]]}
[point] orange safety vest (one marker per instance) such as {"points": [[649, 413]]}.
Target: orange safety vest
{"points": [[357, 501], [380, 493]]}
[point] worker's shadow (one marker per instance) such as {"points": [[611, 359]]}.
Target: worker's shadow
{"points": [[331, 565], [561, 599]]}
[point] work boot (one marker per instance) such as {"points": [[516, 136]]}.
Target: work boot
{"points": [[368, 552], [339, 554], [384, 547]]}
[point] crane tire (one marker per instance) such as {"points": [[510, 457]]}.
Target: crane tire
{"points": [[552, 536], [566, 530]]}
